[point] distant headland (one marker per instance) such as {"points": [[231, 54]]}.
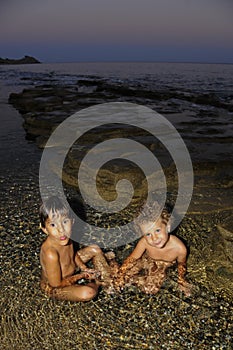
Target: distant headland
{"points": [[24, 60]]}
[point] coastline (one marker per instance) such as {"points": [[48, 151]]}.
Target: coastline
{"points": [[30, 320]]}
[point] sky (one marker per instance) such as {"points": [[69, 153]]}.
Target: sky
{"points": [[117, 30]]}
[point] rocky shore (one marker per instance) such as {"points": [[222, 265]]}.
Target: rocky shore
{"points": [[48, 104], [130, 320]]}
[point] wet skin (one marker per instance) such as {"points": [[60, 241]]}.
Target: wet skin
{"points": [[160, 246], [57, 246], [59, 262]]}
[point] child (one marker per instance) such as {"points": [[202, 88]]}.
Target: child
{"points": [[157, 250], [58, 260]]}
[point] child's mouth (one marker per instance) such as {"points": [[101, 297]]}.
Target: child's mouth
{"points": [[63, 238], [157, 243]]}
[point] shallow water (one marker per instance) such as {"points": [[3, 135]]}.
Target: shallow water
{"points": [[131, 320], [206, 128], [15, 150]]}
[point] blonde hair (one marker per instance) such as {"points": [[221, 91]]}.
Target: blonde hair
{"points": [[152, 212]]}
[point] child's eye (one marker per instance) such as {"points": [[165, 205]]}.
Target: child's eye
{"points": [[147, 234], [66, 221], [158, 230], [52, 224]]}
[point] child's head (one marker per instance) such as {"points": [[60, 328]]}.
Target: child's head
{"points": [[53, 207], [56, 221], [151, 213], [154, 224]]}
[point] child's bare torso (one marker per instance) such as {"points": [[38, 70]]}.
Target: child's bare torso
{"points": [[168, 253], [65, 256]]}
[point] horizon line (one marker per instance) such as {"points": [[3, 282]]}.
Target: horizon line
{"points": [[136, 61]]}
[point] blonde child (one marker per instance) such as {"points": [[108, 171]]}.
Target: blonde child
{"points": [[145, 267]]}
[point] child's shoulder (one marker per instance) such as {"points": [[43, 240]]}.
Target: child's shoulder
{"points": [[142, 240], [177, 242], [49, 250]]}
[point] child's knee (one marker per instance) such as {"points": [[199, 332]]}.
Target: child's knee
{"points": [[89, 293], [95, 249]]}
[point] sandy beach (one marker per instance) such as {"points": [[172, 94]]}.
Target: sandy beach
{"points": [[130, 320]]}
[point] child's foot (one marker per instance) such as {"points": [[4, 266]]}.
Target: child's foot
{"points": [[108, 286], [186, 288], [109, 289], [110, 255]]}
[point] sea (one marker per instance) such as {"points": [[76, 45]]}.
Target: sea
{"points": [[200, 105]]}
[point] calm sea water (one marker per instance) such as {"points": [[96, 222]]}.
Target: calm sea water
{"points": [[206, 129], [196, 77]]}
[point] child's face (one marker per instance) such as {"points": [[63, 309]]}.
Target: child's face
{"points": [[58, 228], [155, 233]]}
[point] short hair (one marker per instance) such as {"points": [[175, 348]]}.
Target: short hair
{"points": [[54, 205], [152, 212]]}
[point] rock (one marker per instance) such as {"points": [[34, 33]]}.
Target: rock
{"points": [[24, 60], [45, 106]]}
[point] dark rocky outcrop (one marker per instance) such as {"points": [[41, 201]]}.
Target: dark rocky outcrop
{"points": [[25, 60]]}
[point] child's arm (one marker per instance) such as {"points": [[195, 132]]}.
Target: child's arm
{"points": [[68, 281], [54, 272], [129, 262], [182, 269], [80, 263]]}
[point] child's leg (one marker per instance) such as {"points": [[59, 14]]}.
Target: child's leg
{"points": [[114, 266], [132, 274], [153, 283], [99, 261], [154, 279], [71, 293], [105, 264]]}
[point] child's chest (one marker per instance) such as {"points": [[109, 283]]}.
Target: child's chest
{"points": [[67, 260], [165, 254]]}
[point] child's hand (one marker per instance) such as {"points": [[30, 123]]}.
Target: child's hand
{"points": [[186, 288], [89, 276], [119, 283], [92, 273]]}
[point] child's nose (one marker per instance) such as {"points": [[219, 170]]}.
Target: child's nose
{"points": [[61, 228], [155, 236]]}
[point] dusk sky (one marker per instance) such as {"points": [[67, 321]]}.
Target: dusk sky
{"points": [[117, 30]]}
